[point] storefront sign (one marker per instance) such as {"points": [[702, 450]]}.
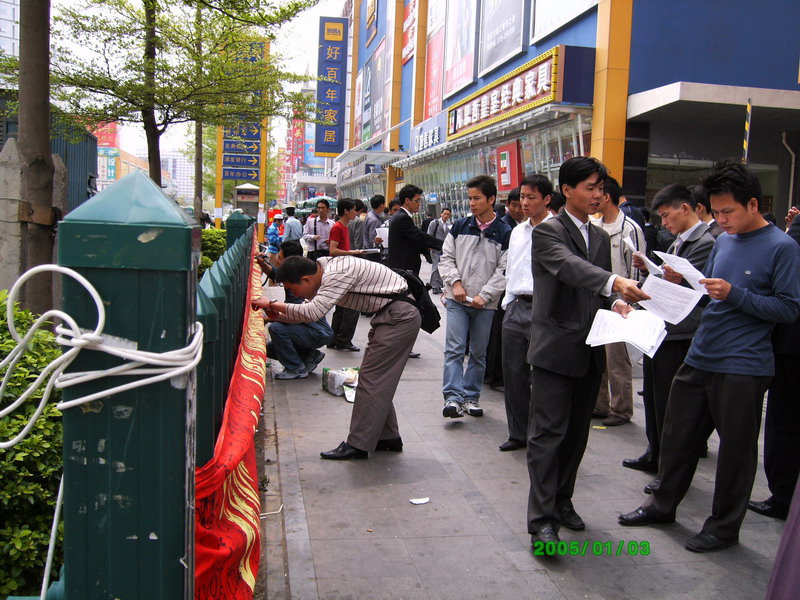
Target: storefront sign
{"points": [[509, 166], [546, 17], [332, 70], [372, 19], [500, 33], [526, 87], [459, 55], [366, 103], [429, 133], [409, 30]]}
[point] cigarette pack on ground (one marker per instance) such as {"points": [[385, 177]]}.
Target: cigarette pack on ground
{"points": [[340, 381]]}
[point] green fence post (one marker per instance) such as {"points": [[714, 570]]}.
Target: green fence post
{"points": [[207, 432], [129, 458], [235, 227]]}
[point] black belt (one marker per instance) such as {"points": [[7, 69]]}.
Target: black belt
{"points": [[526, 297]]}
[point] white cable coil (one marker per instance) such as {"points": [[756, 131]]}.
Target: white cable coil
{"points": [[156, 366]]}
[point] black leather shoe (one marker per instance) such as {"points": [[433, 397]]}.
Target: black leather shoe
{"points": [[344, 452], [569, 518], [638, 517], [706, 542], [414, 355], [349, 347], [510, 445], [768, 508], [391, 445], [652, 486], [643, 463], [547, 533]]}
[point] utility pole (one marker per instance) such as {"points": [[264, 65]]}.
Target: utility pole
{"points": [[34, 144]]}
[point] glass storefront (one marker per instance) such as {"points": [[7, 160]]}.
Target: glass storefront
{"points": [[542, 151]]}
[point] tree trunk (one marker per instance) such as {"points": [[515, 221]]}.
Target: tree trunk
{"points": [[34, 143], [151, 131]]}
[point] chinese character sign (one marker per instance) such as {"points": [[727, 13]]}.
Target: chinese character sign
{"points": [[501, 33], [460, 41], [332, 69]]}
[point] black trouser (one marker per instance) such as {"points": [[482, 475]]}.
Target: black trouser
{"points": [[344, 323], [516, 371], [781, 431], [698, 401], [315, 254], [494, 348], [558, 429]]}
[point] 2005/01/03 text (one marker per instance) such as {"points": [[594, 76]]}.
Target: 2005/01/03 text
{"points": [[593, 548]]}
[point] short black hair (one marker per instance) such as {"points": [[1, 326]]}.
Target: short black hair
{"points": [[343, 205], [733, 177], [613, 189], [294, 268], [513, 196], [673, 195], [486, 184], [289, 211], [291, 248], [360, 206], [407, 192], [539, 183], [699, 197], [395, 202], [446, 208], [557, 201], [580, 168], [323, 201], [376, 201]]}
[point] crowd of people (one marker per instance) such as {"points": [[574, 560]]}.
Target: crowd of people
{"points": [[521, 288]]}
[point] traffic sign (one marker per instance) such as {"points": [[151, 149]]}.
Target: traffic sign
{"points": [[240, 173], [244, 131], [240, 160], [245, 147]]}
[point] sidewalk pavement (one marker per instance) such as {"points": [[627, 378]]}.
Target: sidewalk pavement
{"points": [[347, 529]]}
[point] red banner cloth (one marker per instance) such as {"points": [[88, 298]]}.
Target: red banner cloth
{"points": [[227, 524]]}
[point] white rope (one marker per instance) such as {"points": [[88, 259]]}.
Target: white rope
{"points": [[153, 366]]}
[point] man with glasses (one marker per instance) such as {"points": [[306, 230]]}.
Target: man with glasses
{"points": [[318, 230]]}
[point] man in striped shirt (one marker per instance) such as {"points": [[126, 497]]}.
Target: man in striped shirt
{"points": [[362, 286]]}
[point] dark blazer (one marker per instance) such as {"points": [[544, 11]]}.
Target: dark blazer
{"points": [[407, 242], [696, 250], [715, 229], [566, 295]]}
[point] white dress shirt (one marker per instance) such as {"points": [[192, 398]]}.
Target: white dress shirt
{"points": [[519, 276], [584, 229]]}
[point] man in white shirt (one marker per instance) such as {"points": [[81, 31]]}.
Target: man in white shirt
{"points": [[535, 192], [318, 231], [616, 407]]}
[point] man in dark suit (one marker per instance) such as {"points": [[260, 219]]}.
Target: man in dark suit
{"points": [[572, 276], [781, 442], [406, 240], [676, 207]]}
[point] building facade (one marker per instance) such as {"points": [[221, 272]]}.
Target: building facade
{"points": [[442, 90]]}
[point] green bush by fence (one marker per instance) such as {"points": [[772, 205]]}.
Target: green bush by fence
{"points": [[30, 471]]}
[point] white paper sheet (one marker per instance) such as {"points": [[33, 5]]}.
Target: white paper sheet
{"points": [[669, 301], [383, 233], [641, 328], [685, 268], [652, 267]]}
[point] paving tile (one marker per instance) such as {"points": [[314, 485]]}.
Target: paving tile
{"points": [[373, 588], [361, 558], [351, 523]]}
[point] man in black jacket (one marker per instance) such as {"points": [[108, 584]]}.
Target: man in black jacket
{"points": [[406, 241]]}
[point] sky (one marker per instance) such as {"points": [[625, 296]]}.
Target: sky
{"points": [[297, 57]]}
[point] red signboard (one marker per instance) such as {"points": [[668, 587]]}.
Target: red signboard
{"points": [[107, 135], [433, 74], [509, 166], [409, 30]]}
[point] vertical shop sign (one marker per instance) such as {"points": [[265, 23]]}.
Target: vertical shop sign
{"points": [[433, 74], [409, 30], [372, 20], [436, 15], [378, 84], [460, 42], [332, 70], [366, 112], [501, 35], [357, 108]]}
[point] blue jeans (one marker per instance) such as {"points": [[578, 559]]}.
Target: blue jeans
{"points": [[462, 322], [292, 343]]}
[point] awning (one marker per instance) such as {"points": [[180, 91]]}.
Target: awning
{"points": [[716, 105], [364, 153]]}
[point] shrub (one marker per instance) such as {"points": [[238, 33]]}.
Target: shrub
{"points": [[30, 471], [205, 263], [214, 243]]}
